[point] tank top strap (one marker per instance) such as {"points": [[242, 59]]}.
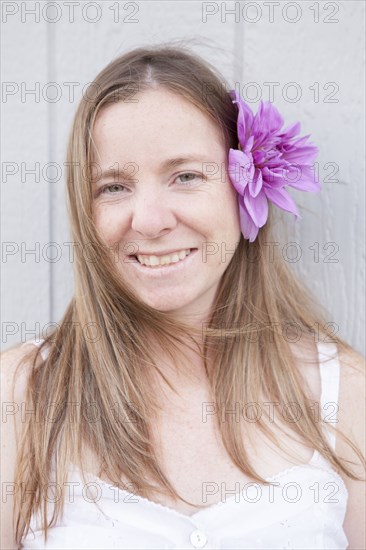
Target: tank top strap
{"points": [[329, 378]]}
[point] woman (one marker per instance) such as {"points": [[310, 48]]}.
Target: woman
{"points": [[183, 395]]}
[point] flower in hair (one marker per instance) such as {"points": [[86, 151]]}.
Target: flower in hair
{"points": [[266, 161]]}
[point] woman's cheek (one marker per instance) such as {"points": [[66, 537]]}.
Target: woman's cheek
{"points": [[109, 225]]}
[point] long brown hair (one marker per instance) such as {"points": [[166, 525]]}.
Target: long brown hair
{"points": [[256, 293]]}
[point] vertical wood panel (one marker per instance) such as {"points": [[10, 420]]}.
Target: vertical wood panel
{"points": [[25, 285]]}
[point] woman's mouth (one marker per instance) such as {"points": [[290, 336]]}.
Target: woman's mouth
{"points": [[167, 259], [161, 264]]}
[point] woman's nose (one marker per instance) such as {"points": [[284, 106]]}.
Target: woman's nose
{"points": [[152, 214]]}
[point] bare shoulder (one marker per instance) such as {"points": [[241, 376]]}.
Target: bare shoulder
{"points": [[16, 365], [352, 394], [352, 422], [352, 362]]}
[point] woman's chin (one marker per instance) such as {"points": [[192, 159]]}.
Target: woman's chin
{"points": [[162, 305], [165, 304]]}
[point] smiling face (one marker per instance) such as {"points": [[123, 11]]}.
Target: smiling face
{"points": [[157, 206]]}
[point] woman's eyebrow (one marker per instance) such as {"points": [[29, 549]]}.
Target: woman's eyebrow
{"points": [[174, 162], [128, 172]]}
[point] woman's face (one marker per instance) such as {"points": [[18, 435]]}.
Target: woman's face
{"points": [[175, 196]]}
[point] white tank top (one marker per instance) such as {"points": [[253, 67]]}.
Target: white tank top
{"points": [[305, 509]]}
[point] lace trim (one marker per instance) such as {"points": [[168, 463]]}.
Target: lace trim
{"points": [[228, 501]]}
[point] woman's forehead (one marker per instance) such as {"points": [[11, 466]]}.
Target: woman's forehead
{"points": [[158, 123], [160, 107]]}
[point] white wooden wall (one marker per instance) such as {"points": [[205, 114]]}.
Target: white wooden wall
{"points": [[314, 49]]}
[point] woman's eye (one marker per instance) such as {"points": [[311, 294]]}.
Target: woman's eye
{"points": [[190, 175], [114, 186]]}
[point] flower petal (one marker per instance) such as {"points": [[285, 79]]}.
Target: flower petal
{"points": [[240, 169], [268, 119], [249, 144], [291, 131], [257, 207], [245, 120], [305, 154], [274, 177], [247, 226], [255, 183], [282, 199], [241, 126], [305, 180]]}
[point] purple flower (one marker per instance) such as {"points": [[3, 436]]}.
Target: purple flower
{"points": [[267, 161]]}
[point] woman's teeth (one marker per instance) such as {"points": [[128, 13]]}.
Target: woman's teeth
{"points": [[163, 260]]}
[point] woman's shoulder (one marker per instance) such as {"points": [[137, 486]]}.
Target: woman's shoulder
{"points": [[16, 365], [352, 394], [351, 421], [351, 368], [353, 364]]}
